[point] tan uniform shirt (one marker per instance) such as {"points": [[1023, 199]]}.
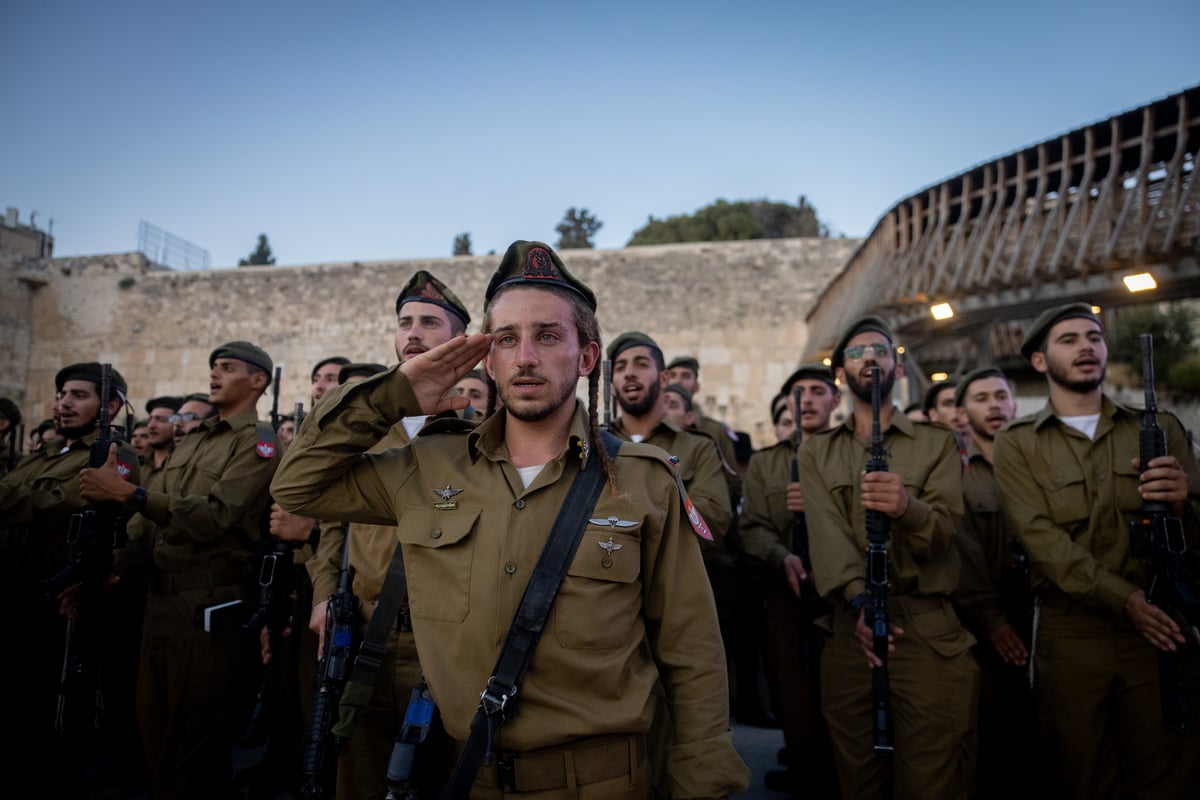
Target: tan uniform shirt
{"points": [[1071, 499], [634, 606], [719, 433], [921, 558], [985, 544], [766, 523]]}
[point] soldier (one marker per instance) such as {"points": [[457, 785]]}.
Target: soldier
{"points": [[939, 406], [10, 435], [768, 528], [474, 387], [934, 680], [633, 608], [1069, 477], [140, 440], [358, 371], [781, 418], [678, 404], [197, 536], [685, 371], [161, 434], [191, 415]]}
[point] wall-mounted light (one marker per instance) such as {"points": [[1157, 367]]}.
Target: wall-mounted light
{"points": [[827, 362], [1096, 310], [941, 311], [1142, 282], [900, 350], [938, 377]]}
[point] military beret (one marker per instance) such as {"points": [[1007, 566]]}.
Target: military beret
{"points": [[477, 374], [868, 323], [166, 401], [141, 423], [685, 362], [930, 398], [682, 392], [341, 361], [987, 371], [425, 288], [535, 264], [198, 397], [359, 370], [9, 410], [778, 406], [90, 371], [632, 339], [244, 351], [1035, 336], [818, 372]]}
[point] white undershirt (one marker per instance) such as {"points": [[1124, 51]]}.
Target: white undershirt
{"points": [[414, 424], [529, 474], [1085, 424], [637, 437]]}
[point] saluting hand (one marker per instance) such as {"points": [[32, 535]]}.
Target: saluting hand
{"points": [[104, 483], [1164, 481], [433, 373], [884, 491]]}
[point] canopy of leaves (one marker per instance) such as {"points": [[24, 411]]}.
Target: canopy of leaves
{"points": [[1174, 332], [577, 229], [462, 244], [260, 256], [743, 219]]}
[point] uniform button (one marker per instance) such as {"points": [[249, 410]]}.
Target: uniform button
{"points": [[437, 533], [519, 504], [606, 562], [510, 568], [1100, 477]]}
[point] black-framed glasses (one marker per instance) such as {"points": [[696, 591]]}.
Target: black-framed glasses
{"points": [[857, 352]]}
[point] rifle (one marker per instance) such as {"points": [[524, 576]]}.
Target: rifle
{"points": [[877, 524], [799, 523], [418, 719], [92, 536], [298, 419], [321, 745], [608, 394], [275, 398], [1157, 540]]}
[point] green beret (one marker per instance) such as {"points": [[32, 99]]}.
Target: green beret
{"points": [[244, 351], [9, 410], [818, 372], [427, 289], [141, 423], [868, 323], [686, 362], [166, 401], [930, 399], [535, 264], [91, 371], [341, 361], [987, 371], [632, 339], [364, 370], [682, 392], [1035, 336]]}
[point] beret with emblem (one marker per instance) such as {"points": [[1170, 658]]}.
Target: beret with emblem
{"points": [[632, 339], [359, 370], [535, 264], [341, 361], [685, 362], [9, 410], [166, 401], [245, 351], [90, 371], [425, 288], [979, 373], [1036, 335], [818, 372], [868, 323]]}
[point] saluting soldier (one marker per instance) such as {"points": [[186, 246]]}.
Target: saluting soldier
{"points": [[1069, 478], [934, 679], [474, 510]]}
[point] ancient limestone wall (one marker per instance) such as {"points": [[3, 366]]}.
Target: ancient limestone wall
{"points": [[738, 306]]}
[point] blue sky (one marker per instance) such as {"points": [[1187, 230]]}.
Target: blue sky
{"points": [[364, 131]]}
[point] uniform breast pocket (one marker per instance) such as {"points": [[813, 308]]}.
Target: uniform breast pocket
{"points": [[439, 554], [1126, 481], [599, 602], [1068, 496]]}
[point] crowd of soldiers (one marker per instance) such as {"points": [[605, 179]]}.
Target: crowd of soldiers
{"points": [[594, 648]]}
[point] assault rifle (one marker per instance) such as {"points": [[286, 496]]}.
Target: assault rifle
{"points": [[1157, 539], [609, 398], [877, 524], [275, 398], [321, 745], [418, 719], [799, 523]]}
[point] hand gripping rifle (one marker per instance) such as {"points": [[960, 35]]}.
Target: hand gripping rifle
{"points": [[877, 586], [321, 745], [1157, 539]]}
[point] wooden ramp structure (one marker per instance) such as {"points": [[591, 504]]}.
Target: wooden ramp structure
{"points": [[1066, 219]]}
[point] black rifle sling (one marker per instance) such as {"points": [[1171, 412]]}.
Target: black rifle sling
{"points": [[498, 696]]}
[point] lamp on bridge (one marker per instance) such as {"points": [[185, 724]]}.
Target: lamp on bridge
{"points": [[941, 311], [1141, 282]]}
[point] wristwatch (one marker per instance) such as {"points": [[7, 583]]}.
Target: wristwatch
{"points": [[138, 498]]}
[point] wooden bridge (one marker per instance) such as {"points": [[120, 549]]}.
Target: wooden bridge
{"points": [[1070, 218]]}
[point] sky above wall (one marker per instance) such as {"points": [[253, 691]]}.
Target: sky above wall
{"points": [[365, 131]]}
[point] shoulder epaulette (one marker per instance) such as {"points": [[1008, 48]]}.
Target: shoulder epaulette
{"points": [[643, 450]]}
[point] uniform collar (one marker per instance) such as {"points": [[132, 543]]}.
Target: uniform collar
{"points": [[247, 417], [1108, 409], [899, 422], [487, 439], [663, 423]]}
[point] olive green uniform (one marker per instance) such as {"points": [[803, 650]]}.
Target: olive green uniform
{"points": [[934, 679], [632, 607], [200, 533], [1072, 500]]}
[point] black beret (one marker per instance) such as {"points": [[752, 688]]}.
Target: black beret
{"points": [[425, 288], [244, 351], [1036, 334], [341, 361], [686, 362], [9, 410], [535, 264], [988, 371], [930, 398], [166, 401], [91, 371], [815, 371], [682, 392], [632, 339], [363, 370], [868, 323]]}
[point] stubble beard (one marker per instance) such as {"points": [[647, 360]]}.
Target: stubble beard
{"points": [[1058, 375], [644, 406], [530, 411]]}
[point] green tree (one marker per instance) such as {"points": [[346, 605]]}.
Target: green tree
{"points": [[577, 229], [1173, 330], [462, 244], [725, 221], [260, 256]]}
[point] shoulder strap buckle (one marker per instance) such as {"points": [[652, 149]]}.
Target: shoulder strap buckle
{"points": [[492, 701]]}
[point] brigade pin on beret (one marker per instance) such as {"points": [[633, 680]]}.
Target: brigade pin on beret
{"points": [[979, 373], [341, 361], [91, 371], [685, 362], [868, 323], [535, 264], [9, 410], [631, 339], [818, 372], [245, 351], [425, 288], [1036, 335], [166, 401], [359, 370]]}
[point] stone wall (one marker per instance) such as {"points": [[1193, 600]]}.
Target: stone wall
{"points": [[738, 306]]}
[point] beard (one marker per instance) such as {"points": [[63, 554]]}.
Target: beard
{"points": [[1059, 374], [644, 406], [862, 390], [77, 432], [534, 410]]}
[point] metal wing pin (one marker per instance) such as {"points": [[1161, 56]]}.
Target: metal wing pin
{"points": [[612, 523]]}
